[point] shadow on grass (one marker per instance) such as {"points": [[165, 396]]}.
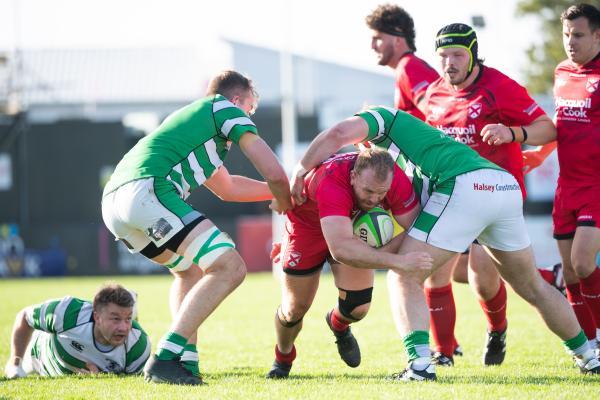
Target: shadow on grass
{"points": [[256, 374], [253, 373]]}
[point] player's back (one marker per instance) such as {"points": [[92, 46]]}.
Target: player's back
{"points": [[415, 144]]}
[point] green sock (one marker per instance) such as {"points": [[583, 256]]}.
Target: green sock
{"points": [[189, 359], [416, 345], [579, 347], [170, 346]]}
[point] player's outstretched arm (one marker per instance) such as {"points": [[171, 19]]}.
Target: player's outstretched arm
{"points": [[237, 188], [268, 166], [350, 131], [21, 335]]}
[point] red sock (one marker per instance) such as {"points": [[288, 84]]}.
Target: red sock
{"points": [[337, 323], [495, 310], [442, 312], [285, 358], [590, 291], [547, 275], [582, 311]]}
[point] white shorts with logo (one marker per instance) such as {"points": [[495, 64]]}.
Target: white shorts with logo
{"points": [[485, 204], [138, 216]]}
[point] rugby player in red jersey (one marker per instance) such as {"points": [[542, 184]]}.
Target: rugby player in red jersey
{"points": [[321, 229], [393, 39], [576, 214], [468, 100]]}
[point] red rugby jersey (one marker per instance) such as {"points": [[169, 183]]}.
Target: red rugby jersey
{"points": [[413, 76], [328, 192], [577, 105], [493, 98]]}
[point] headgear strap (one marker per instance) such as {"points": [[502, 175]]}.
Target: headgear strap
{"points": [[458, 35]]}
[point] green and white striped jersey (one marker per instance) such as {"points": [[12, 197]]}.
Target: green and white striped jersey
{"points": [[187, 148], [424, 152], [64, 340]]}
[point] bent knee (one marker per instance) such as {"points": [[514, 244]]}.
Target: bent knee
{"points": [[360, 312], [293, 312], [229, 266], [583, 267]]}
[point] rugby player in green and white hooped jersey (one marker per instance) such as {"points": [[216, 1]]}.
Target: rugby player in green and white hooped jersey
{"points": [[464, 197], [144, 206], [69, 335]]}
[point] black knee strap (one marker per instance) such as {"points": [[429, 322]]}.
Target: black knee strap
{"points": [[354, 298], [284, 322]]}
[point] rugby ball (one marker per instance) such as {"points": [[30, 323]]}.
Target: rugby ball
{"points": [[374, 227]]}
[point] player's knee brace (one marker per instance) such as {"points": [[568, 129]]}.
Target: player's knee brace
{"points": [[354, 298], [207, 247], [283, 321]]}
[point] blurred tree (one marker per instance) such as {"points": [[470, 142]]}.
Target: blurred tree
{"points": [[548, 52]]}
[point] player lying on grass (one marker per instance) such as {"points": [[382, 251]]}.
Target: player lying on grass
{"points": [[69, 335], [465, 197], [321, 229]]}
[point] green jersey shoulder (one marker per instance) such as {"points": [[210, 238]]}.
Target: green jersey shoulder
{"points": [[188, 147], [420, 147]]}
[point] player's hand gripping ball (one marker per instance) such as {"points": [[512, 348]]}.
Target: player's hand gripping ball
{"points": [[374, 227]]}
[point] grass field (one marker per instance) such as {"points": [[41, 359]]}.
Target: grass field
{"points": [[236, 350]]}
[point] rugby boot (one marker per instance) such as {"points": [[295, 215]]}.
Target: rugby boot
{"points": [[346, 344], [592, 366], [442, 360], [169, 371], [279, 370], [495, 348], [411, 374]]}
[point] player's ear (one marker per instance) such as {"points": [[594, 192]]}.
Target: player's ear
{"points": [[235, 99]]}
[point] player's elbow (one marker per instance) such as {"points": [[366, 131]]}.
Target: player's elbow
{"points": [[21, 317], [226, 196], [340, 253], [225, 192]]}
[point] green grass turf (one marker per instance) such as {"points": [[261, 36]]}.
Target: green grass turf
{"points": [[236, 350]]}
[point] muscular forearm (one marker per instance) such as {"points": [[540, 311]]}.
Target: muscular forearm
{"points": [[541, 131], [246, 189], [355, 253], [394, 245], [21, 335], [322, 147]]}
